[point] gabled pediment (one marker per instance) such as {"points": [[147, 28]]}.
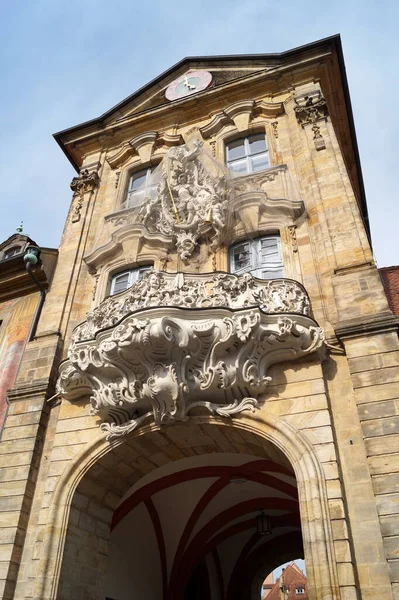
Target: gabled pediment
{"points": [[223, 70], [16, 239], [153, 95]]}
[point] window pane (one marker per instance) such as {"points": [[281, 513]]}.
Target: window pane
{"points": [[135, 198], [260, 162], [151, 190], [257, 143], [120, 283], [270, 251], [242, 257], [141, 271], [137, 180], [240, 167], [235, 149]]}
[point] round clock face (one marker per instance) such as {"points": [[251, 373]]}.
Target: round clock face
{"points": [[190, 83]]}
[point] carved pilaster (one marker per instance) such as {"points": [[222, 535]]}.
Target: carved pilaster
{"points": [[310, 109], [86, 182]]}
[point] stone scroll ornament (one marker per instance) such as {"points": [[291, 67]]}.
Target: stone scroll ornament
{"points": [[86, 182], [190, 202], [173, 344]]}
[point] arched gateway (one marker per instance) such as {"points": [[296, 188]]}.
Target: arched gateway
{"points": [[196, 512], [213, 385]]}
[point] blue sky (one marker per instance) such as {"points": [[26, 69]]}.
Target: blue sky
{"points": [[64, 62]]}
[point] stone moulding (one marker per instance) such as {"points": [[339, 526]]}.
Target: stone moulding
{"points": [[159, 362]]}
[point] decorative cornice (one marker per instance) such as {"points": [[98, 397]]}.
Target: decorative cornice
{"points": [[120, 155], [143, 145], [169, 140], [361, 327], [128, 229], [215, 125], [269, 109], [241, 113]]}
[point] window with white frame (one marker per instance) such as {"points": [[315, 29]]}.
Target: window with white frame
{"points": [[262, 257], [300, 590], [141, 186], [248, 154], [123, 281]]}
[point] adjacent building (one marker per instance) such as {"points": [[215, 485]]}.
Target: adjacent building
{"points": [[212, 390], [19, 300], [290, 585]]}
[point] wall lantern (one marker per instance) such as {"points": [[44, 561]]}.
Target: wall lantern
{"points": [[31, 255], [263, 524]]}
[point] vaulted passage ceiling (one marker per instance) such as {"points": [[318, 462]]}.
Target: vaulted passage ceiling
{"points": [[188, 528]]}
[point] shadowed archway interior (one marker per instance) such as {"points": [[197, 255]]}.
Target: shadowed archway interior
{"points": [[172, 514]]}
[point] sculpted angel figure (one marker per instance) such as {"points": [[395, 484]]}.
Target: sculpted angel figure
{"points": [[191, 200]]}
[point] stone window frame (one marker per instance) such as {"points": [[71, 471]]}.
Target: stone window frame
{"points": [[125, 172], [230, 133], [147, 170]]}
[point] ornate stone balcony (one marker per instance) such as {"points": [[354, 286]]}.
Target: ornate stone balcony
{"points": [[175, 342]]}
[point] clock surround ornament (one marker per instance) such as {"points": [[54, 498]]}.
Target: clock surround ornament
{"points": [[188, 84]]}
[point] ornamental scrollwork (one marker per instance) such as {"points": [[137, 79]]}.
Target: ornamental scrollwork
{"points": [[87, 181], [209, 290], [310, 108], [160, 367]]}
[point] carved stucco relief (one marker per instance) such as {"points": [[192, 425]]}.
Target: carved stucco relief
{"points": [[175, 343], [87, 181]]}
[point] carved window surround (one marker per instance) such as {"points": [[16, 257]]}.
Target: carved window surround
{"points": [[230, 132], [174, 343], [143, 145], [127, 249], [263, 203], [142, 151], [240, 114]]}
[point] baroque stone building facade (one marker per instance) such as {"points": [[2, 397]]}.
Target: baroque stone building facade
{"points": [[212, 390]]}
